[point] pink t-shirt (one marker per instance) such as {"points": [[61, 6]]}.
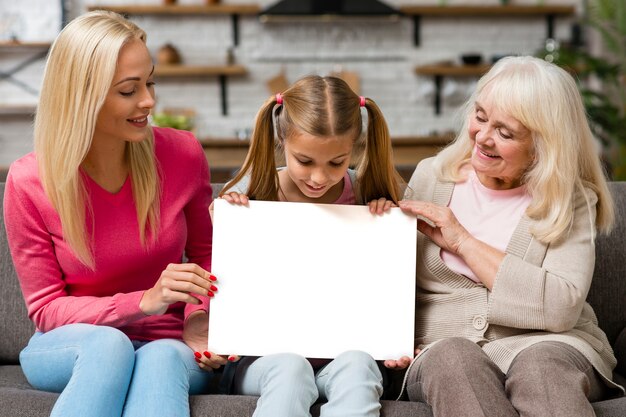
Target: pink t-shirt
{"points": [[489, 215], [347, 196], [59, 290]]}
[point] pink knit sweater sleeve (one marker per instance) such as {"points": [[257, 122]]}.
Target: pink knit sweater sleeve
{"points": [[34, 256], [199, 245]]}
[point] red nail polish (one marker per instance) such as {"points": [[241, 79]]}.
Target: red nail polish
{"points": [[197, 355], [207, 354], [213, 288], [231, 358], [210, 294], [212, 278], [197, 360]]}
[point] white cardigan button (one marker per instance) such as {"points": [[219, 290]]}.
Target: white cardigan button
{"points": [[479, 323]]}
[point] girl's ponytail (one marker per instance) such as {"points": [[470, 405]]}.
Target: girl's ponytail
{"points": [[259, 163], [377, 174]]}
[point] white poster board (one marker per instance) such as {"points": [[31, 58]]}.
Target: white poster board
{"points": [[312, 279]]}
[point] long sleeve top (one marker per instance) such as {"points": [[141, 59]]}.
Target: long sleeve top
{"points": [[538, 295], [59, 289]]}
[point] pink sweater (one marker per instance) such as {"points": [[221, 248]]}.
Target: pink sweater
{"points": [[60, 290], [489, 215]]}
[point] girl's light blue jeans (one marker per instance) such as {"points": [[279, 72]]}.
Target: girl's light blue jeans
{"points": [[100, 373], [351, 384]]}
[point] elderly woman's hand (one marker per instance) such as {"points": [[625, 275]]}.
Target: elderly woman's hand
{"points": [[445, 231]]}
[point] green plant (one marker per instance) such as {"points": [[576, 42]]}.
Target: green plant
{"points": [[602, 79], [177, 121]]}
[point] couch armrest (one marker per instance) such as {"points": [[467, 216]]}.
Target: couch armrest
{"points": [[619, 348]]}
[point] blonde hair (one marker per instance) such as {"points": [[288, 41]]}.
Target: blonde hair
{"points": [[545, 99], [322, 107], [78, 74]]}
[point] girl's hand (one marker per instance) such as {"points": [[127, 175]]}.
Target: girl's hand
{"points": [[401, 363], [195, 335], [178, 282], [446, 232], [380, 206], [232, 198], [236, 198]]}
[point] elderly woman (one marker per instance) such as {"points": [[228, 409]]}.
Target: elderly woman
{"points": [[508, 214]]}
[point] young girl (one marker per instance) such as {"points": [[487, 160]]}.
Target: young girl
{"points": [[318, 125]]}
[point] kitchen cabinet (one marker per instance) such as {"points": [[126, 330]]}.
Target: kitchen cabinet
{"points": [[226, 156]]}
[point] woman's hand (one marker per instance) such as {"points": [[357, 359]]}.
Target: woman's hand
{"points": [[178, 282], [450, 235], [446, 232], [232, 198], [401, 363], [380, 206], [195, 335]]}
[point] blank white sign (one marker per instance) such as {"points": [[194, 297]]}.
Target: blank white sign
{"points": [[312, 279]]}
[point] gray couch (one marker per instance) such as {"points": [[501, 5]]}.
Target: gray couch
{"points": [[19, 399]]}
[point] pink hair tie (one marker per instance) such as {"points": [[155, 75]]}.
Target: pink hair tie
{"points": [[279, 98], [362, 101]]}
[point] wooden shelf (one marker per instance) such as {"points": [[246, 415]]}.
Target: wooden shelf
{"points": [[36, 50], [438, 71], [550, 13], [234, 10], [226, 155], [496, 10], [17, 110], [215, 142], [199, 71], [453, 70], [24, 45], [182, 9]]}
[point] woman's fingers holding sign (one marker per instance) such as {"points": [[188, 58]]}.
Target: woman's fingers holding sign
{"points": [[178, 282], [442, 226]]}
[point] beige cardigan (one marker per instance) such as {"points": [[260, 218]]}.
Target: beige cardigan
{"points": [[538, 295]]}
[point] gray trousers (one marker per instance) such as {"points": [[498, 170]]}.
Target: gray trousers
{"points": [[456, 378]]}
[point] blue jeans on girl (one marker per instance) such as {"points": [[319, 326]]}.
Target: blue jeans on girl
{"points": [[287, 385]]}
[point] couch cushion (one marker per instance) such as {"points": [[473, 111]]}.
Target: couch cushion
{"points": [[608, 288], [620, 352], [15, 327]]}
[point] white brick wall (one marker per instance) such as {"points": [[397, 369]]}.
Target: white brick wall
{"points": [[381, 52]]}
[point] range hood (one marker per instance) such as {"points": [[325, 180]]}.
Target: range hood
{"points": [[325, 9]]}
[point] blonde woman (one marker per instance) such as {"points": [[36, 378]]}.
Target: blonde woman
{"points": [[506, 258], [98, 219]]}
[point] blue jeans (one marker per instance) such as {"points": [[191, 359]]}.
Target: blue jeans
{"points": [[100, 372], [351, 384]]}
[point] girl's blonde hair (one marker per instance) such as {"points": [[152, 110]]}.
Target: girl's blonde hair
{"points": [[322, 107], [545, 99], [78, 74]]}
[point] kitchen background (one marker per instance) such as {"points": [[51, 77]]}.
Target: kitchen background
{"points": [[232, 60]]}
